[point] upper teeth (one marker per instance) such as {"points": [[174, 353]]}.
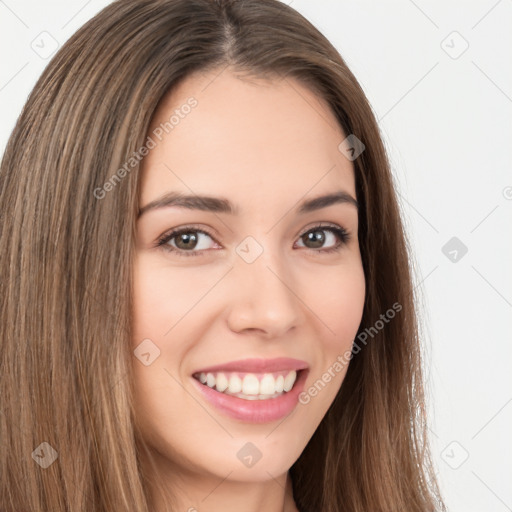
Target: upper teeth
{"points": [[255, 384]]}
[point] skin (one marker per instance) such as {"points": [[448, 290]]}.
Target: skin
{"points": [[266, 146]]}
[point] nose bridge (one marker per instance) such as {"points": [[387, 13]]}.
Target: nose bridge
{"points": [[263, 296]]}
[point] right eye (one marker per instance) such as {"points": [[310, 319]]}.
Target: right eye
{"points": [[185, 240]]}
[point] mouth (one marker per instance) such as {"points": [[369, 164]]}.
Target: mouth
{"points": [[248, 385], [252, 397]]}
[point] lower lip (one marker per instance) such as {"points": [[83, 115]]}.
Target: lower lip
{"points": [[255, 411]]}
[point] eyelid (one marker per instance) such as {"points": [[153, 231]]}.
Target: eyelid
{"points": [[319, 225], [169, 235], [340, 231]]}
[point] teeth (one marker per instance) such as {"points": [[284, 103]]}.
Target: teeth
{"points": [[289, 381], [267, 385], [221, 382], [252, 386], [280, 384], [235, 384], [210, 380]]}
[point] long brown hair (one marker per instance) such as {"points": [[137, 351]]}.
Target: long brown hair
{"points": [[66, 259]]}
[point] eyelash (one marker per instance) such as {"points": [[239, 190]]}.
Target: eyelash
{"points": [[342, 234]]}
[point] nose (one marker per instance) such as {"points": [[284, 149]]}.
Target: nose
{"points": [[263, 297]]}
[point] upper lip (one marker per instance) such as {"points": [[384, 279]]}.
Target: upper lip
{"points": [[258, 365]]}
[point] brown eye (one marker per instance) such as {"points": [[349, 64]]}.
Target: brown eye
{"points": [[192, 241], [187, 240], [316, 238]]}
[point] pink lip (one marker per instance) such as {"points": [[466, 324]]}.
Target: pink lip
{"points": [[258, 366], [255, 411]]}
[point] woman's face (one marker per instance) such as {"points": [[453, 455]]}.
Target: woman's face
{"points": [[254, 283]]}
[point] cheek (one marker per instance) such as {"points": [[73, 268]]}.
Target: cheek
{"points": [[337, 299], [163, 296], [339, 303]]}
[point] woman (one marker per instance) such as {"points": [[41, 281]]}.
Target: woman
{"points": [[278, 367]]}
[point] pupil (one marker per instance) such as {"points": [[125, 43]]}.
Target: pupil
{"points": [[317, 237], [189, 240]]}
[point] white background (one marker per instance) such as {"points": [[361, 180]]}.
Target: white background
{"points": [[446, 117]]}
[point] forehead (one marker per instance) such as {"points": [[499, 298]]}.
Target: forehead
{"points": [[260, 140]]}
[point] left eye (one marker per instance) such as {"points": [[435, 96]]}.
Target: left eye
{"points": [[317, 237], [184, 241]]}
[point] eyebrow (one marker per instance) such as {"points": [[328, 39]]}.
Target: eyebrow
{"points": [[222, 205]]}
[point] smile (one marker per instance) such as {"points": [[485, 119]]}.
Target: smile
{"points": [[252, 397], [249, 386]]}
